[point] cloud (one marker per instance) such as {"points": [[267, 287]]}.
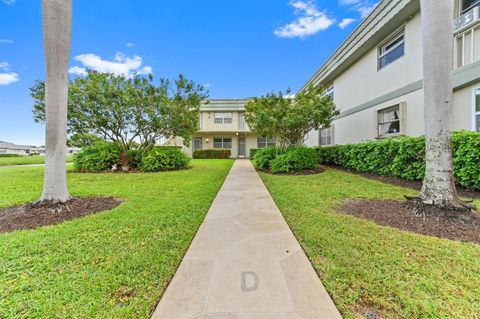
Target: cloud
{"points": [[120, 65], [6, 41], [9, 2], [7, 77], [310, 21], [345, 23], [129, 45], [363, 7]]}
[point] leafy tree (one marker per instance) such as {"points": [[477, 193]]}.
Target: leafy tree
{"points": [[290, 119], [82, 140], [131, 112]]}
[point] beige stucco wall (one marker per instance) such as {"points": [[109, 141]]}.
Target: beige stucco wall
{"points": [[208, 122], [250, 142]]}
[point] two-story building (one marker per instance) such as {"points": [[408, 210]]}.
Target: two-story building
{"points": [[375, 76], [223, 126]]}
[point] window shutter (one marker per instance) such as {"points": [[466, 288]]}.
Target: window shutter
{"points": [[375, 124], [332, 131], [403, 110]]}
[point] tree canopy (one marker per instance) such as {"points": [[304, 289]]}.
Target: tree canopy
{"points": [[290, 118], [128, 111]]}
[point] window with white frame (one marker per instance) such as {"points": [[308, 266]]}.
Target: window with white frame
{"points": [[222, 142], [265, 142], [477, 109], [392, 50], [330, 92], [469, 4], [389, 121], [467, 47], [223, 118], [325, 136]]}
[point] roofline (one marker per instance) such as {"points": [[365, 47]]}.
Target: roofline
{"points": [[385, 18]]}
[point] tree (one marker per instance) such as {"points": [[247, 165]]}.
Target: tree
{"points": [[290, 119], [439, 185], [57, 29], [84, 140], [129, 111]]}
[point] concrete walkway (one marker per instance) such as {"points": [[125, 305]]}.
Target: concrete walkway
{"points": [[245, 263]]}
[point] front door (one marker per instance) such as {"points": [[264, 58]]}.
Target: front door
{"points": [[197, 144], [241, 147]]}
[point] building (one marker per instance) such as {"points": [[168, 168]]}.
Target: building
{"points": [[375, 76], [10, 148], [223, 126]]}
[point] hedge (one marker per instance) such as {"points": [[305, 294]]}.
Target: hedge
{"points": [[164, 158], [100, 157], [405, 157], [295, 159], [253, 151], [212, 154], [10, 155]]}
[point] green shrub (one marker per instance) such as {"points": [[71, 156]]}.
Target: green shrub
{"points": [[405, 157], [97, 158], [264, 156], [134, 158], [294, 160], [212, 154], [10, 155], [253, 151], [164, 159]]}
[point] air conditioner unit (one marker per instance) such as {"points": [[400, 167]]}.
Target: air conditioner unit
{"points": [[466, 20]]}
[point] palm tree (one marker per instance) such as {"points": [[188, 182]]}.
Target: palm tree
{"points": [[57, 29], [439, 184]]}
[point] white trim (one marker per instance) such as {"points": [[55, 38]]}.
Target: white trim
{"points": [[474, 109]]}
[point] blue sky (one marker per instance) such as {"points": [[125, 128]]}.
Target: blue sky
{"points": [[237, 48]]}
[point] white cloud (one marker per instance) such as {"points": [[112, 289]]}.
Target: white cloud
{"points": [[120, 65], [363, 7], [9, 2], [129, 45], [310, 21], [6, 41], [345, 23], [7, 77]]}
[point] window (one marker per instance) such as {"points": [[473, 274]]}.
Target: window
{"points": [[330, 92], [467, 47], [222, 142], [325, 136], [477, 110], [265, 142], [468, 4], [388, 121], [392, 50], [223, 118]]}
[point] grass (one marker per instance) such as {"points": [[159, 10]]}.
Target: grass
{"points": [[365, 266], [26, 160], [114, 264]]}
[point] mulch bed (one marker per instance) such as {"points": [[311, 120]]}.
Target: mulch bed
{"points": [[316, 170], [33, 215], [427, 220], [417, 185]]}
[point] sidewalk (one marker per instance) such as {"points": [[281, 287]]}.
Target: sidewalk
{"points": [[245, 263]]}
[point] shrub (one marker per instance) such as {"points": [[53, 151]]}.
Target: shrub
{"points": [[134, 158], [294, 160], [264, 156], [405, 157], [10, 155], [212, 154], [253, 151], [164, 159], [99, 157]]}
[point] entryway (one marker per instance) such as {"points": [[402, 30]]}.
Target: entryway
{"points": [[241, 147]]}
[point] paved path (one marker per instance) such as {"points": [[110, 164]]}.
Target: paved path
{"points": [[245, 263]]}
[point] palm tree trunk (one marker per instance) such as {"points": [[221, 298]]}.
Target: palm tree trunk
{"points": [[438, 185], [57, 28]]}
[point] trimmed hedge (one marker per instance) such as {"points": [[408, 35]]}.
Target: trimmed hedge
{"points": [[100, 157], [10, 155], [212, 154], [264, 156], [164, 158], [405, 157], [294, 160]]}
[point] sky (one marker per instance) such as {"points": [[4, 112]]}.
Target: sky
{"points": [[235, 48]]}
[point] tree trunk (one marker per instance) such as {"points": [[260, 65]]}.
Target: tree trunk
{"points": [[439, 185], [57, 28]]}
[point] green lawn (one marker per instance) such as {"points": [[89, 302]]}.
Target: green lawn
{"points": [[110, 265], [366, 266], [26, 160]]}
